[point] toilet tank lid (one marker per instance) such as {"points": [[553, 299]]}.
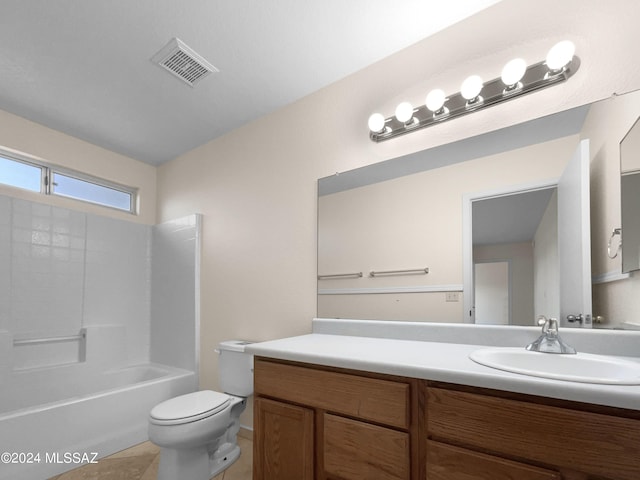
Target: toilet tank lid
{"points": [[234, 345]]}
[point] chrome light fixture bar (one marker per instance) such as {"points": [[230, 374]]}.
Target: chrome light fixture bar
{"points": [[516, 80]]}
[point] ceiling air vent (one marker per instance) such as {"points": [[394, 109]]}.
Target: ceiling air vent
{"points": [[183, 62]]}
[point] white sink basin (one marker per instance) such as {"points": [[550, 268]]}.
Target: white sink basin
{"points": [[581, 367]]}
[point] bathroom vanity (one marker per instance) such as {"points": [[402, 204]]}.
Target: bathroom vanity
{"points": [[358, 426], [347, 407]]}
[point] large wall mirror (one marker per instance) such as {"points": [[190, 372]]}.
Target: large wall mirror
{"points": [[630, 194], [477, 231]]}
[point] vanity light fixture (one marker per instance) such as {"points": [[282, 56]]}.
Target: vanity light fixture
{"points": [[560, 55], [435, 102], [404, 114], [377, 123], [516, 79], [470, 90], [512, 73]]}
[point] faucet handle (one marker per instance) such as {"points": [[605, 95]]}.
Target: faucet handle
{"points": [[548, 324], [552, 326], [549, 341]]}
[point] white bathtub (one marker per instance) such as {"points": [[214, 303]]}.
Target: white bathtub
{"points": [[55, 419]]}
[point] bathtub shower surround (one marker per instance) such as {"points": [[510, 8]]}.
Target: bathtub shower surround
{"points": [[42, 268], [77, 327], [175, 292], [62, 270], [118, 280]]}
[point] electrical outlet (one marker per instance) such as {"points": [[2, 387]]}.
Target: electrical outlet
{"points": [[452, 297]]}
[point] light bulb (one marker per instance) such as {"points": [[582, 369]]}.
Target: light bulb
{"points": [[435, 100], [471, 87], [376, 123], [560, 55], [404, 112], [513, 72]]}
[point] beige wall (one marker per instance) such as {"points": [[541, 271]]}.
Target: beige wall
{"points": [[51, 146], [256, 187]]}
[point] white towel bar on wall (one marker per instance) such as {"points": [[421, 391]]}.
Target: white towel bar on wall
{"points": [[340, 275], [412, 271]]}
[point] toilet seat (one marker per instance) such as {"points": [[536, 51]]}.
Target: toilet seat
{"points": [[189, 408]]}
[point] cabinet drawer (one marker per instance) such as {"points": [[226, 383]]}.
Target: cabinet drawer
{"points": [[356, 450], [374, 399], [592, 443], [446, 462]]}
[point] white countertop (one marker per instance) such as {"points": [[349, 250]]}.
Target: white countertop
{"points": [[434, 360]]}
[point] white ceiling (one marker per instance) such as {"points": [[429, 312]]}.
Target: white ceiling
{"points": [[83, 67]]}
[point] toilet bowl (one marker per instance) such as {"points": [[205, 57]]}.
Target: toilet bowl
{"points": [[197, 432]]}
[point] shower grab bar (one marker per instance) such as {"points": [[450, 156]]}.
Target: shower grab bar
{"points": [[340, 275], [411, 271], [36, 341]]}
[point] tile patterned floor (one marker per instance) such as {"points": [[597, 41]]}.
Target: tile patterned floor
{"points": [[141, 463]]}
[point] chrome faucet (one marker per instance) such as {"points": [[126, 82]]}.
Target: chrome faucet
{"points": [[549, 341]]}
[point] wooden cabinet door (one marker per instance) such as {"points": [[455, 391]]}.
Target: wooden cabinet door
{"points": [[354, 450], [283, 445], [446, 462], [596, 444]]}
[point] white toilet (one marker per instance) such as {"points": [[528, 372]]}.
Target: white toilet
{"points": [[197, 432]]}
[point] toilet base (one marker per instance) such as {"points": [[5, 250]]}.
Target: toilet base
{"points": [[192, 463], [196, 463], [224, 457]]}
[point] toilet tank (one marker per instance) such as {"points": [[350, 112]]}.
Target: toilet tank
{"points": [[235, 368]]}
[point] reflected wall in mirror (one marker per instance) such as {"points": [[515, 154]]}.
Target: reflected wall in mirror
{"points": [[406, 213], [630, 195]]}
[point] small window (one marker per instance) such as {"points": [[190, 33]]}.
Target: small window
{"points": [[49, 179], [20, 174], [109, 195]]}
